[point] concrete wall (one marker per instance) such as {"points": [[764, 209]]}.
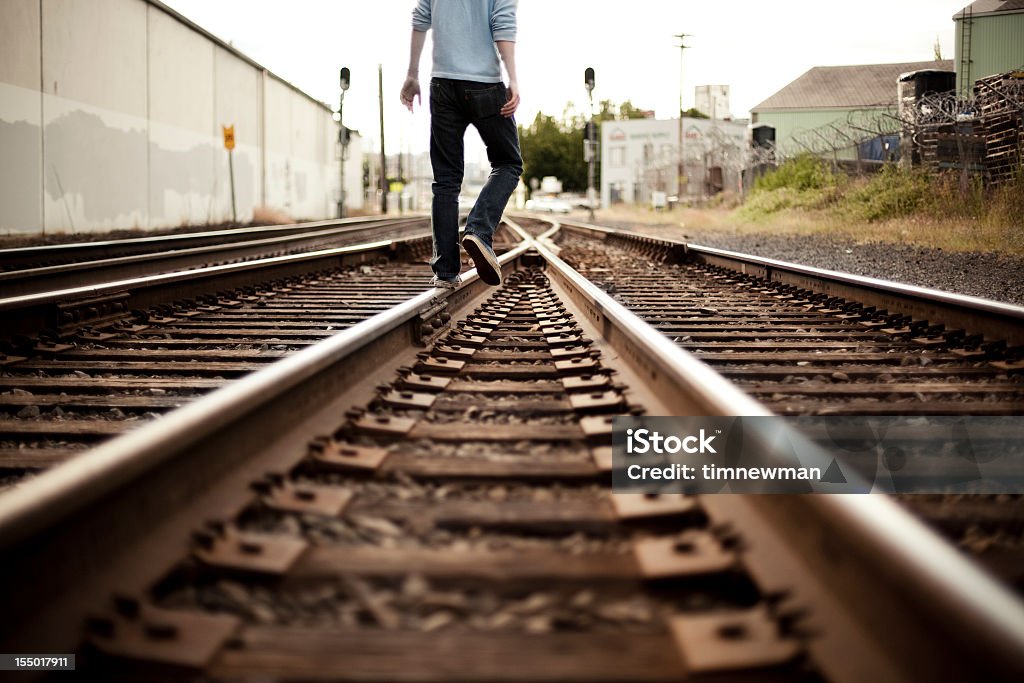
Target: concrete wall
{"points": [[21, 173], [111, 115]]}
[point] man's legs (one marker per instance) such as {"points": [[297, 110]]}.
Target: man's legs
{"points": [[447, 130], [502, 140]]}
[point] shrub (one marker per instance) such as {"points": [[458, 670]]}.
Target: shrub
{"points": [[805, 172], [805, 182], [890, 193]]}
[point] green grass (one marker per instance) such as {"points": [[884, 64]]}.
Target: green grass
{"points": [[907, 206], [803, 183], [896, 204]]}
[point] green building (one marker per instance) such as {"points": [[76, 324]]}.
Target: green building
{"points": [[843, 112], [989, 40]]}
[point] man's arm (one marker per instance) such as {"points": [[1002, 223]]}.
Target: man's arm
{"points": [[411, 88], [507, 50]]}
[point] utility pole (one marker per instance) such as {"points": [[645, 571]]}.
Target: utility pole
{"points": [[343, 139], [681, 170], [383, 160], [589, 145]]}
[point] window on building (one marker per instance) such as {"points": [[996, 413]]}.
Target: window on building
{"points": [[617, 156]]}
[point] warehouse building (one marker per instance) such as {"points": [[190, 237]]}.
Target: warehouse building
{"points": [[989, 40], [640, 159], [842, 111], [111, 115]]}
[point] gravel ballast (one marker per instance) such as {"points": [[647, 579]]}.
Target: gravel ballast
{"points": [[987, 275]]}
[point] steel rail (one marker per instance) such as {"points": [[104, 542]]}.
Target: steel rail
{"points": [[878, 580], [868, 574], [60, 525], [19, 257], [32, 313], [994, 319], [66, 276]]}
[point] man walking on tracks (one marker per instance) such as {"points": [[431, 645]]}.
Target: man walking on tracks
{"points": [[466, 88]]}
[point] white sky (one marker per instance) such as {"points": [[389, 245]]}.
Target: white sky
{"points": [[754, 46]]}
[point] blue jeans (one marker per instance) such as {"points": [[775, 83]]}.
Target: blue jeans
{"points": [[453, 106]]}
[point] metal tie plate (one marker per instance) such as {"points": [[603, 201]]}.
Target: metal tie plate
{"points": [[561, 339], [692, 554], [349, 457], [570, 352], [575, 364], [586, 382], [645, 505], [596, 426], [409, 399], [253, 553], [415, 381], [177, 637], [307, 499], [596, 400], [486, 322], [454, 350], [385, 424], [467, 339], [732, 640], [441, 365]]}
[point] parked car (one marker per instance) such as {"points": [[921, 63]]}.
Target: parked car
{"points": [[548, 205]]}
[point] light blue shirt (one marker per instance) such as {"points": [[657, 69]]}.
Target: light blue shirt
{"points": [[464, 35]]}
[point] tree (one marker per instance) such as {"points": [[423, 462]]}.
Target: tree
{"points": [[553, 147], [550, 148]]}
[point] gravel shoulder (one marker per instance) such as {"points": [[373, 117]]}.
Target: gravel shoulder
{"points": [[987, 275]]}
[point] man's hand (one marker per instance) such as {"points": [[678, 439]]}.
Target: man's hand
{"points": [[411, 90], [513, 100]]}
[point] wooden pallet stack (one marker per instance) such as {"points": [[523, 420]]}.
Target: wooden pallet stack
{"points": [[949, 146], [1000, 101]]}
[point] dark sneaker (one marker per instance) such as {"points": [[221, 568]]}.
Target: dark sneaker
{"points": [[483, 258], [441, 283]]}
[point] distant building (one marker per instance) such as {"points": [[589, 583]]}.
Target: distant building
{"points": [[989, 40], [840, 110], [713, 101], [641, 156]]}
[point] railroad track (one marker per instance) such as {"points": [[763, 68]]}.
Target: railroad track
{"points": [[422, 497], [31, 270], [104, 360], [803, 341], [800, 349]]}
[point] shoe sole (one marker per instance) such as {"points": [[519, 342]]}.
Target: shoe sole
{"points": [[486, 265]]}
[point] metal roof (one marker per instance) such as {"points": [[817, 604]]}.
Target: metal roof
{"points": [[982, 8], [846, 87]]}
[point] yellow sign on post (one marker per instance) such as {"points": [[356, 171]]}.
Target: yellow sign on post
{"points": [[229, 145]]}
